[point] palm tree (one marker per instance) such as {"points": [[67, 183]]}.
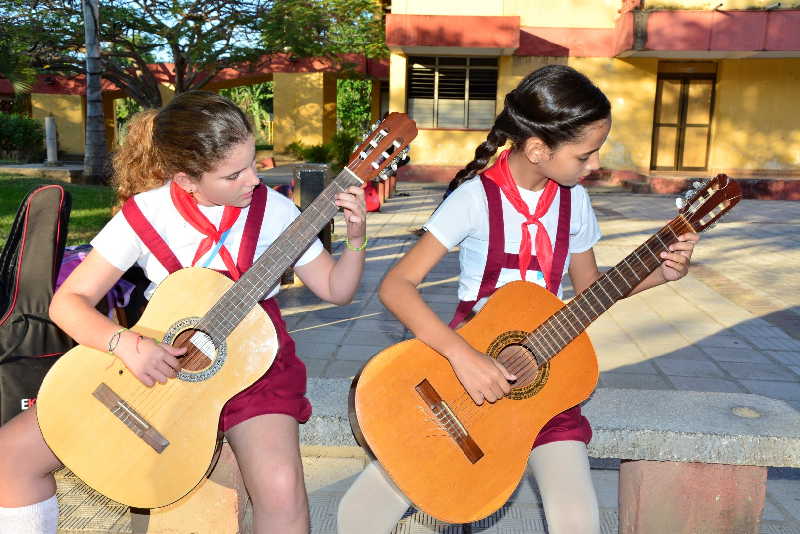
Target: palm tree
{"points": [[94, 157]]}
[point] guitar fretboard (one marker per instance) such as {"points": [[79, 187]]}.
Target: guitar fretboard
{"points": [[571, 320], [266, 271]]}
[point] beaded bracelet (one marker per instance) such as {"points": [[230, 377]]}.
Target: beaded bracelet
{"points": [[114, 341], [356, 249]]}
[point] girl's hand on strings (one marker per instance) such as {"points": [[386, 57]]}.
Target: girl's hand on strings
{"points": [[483, 377], [676, 261], [148, 360], [355, 213]]}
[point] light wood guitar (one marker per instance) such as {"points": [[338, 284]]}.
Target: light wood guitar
{"points": [[149, 446], [460, 462]]}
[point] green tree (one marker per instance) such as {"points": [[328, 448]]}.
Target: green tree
{"points": [[308, 28], [199, 38], [256, 101], [353, 105], [15, 64]]}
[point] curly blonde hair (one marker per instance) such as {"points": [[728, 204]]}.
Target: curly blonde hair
{"points": [[191, 134]]}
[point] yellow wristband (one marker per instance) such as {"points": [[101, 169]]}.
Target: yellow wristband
{"points": [[356, 249]]}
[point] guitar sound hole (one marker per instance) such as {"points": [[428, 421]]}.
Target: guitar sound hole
{"points": [[200, 352], [520, 361]]}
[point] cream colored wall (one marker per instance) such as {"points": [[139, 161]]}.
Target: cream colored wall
{"points": [[570, 13], [756, 122], [68, 111], [305, 108]]}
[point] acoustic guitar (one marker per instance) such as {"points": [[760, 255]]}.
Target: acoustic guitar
{"points": [[459, 462], [147, 447]]}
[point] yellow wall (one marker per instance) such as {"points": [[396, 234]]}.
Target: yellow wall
{"points": [[756, 123], [305, 108], [629, 84], [445, 147], [68, 111], [397, 82], [571, 13]]}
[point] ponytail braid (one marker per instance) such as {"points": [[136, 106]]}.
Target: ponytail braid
{"points": [[483, 154]]}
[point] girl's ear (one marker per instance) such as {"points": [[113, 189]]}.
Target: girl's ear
{"points": [[185, 181], [536, 150]]}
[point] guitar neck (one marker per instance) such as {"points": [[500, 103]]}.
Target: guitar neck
{"points": [[267, 270], [616, 283]]}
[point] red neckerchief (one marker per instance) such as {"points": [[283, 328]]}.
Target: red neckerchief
{"points": [[500, 174], [187, 207]]}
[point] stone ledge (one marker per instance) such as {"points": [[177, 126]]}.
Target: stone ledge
{"points": [[689, 426], [663, 425]]}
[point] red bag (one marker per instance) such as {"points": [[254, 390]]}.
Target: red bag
{"points": [[371, 196]]}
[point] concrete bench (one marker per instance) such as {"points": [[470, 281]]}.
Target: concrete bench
{"points": [[692, 462]]}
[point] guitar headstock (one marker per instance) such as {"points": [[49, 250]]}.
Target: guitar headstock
{"points": [[383, 148], [710, 201]]}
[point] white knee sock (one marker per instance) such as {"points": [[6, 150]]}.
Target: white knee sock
{"points": [[38, 518], [372, 505]]}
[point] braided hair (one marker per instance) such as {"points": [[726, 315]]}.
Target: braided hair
{"points": [[554, 103]]}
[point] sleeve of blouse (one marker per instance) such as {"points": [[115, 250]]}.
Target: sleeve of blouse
{"points": [[118, 243], [454, 219]]}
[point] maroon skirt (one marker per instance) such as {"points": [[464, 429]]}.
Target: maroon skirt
{"points": [[282, 389], [569, 425]]}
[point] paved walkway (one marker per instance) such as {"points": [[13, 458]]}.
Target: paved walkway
{"points": [[732, 325]]}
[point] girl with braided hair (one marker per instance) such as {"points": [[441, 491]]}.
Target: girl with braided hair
{"points": [[524, 218]]}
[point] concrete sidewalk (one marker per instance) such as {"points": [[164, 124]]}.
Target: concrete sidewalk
{"points": [[732, 325]]}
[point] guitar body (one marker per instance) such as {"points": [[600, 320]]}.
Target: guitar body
{"points": [[414, 445], [101, 442]]}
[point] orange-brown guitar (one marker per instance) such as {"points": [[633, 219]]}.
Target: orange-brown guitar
{"points": [[460, 462]]}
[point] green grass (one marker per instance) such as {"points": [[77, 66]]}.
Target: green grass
{"points": [[91, 206]]}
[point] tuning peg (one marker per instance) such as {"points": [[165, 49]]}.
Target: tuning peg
{"points": [[698, 184], [679, 203]]}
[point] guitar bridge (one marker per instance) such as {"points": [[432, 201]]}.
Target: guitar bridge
{"points": [[125, 413], [449, 421]]}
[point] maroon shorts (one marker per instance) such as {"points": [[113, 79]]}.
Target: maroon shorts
{"points": [[282, 389], [570, 425]]}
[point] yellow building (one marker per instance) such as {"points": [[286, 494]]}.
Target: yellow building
{"points": [[696, 87], [304, 97]]}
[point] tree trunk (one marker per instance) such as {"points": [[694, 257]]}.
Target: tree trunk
{"points": [[95, 170]]}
